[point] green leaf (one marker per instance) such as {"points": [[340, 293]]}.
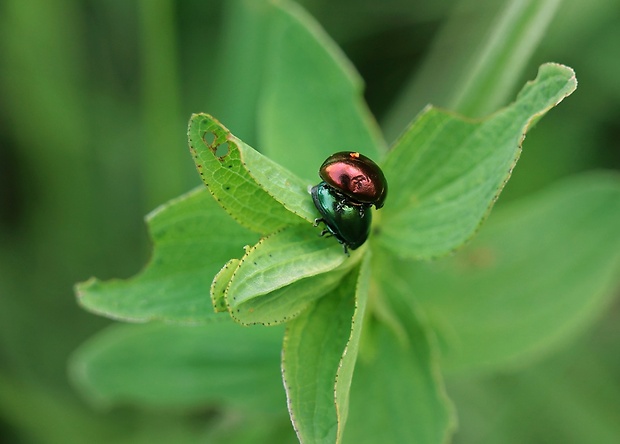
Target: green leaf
{"points": [[284, 273], [255, 428], [44, 414], [490, 43], [541, 270], [286, 303], [445, 173], [312, 104], [572, 397], [319, 354], [493, 74], [264, 201], [233, 92], [193, 237], [397, 395], [165, 172], [180, 366], [41, 413], [220, 283], [347, 364]]}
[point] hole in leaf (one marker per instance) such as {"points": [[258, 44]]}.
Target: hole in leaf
{"points": [[222, 150], [209, 138]]}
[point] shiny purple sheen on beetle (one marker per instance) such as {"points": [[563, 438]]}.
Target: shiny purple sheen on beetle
{"points": [[351, 184], [355, 176]]}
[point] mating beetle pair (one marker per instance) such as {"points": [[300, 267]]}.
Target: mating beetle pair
{"points": [[351, 184]]}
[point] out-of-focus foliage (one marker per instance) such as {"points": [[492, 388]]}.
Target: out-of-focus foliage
{"points": [[95, 98]]}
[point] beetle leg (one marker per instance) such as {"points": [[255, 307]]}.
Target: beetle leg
{"points": [[326, 232]]}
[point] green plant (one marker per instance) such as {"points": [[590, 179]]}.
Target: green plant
{"points": [[366, 336]]}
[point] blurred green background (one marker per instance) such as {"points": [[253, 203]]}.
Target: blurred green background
{"points": [[94, 102]]}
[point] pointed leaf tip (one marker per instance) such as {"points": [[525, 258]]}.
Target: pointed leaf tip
{"points": [[446, 172]]}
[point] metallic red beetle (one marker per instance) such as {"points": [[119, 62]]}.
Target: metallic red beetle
{"points": [[355, 176]]}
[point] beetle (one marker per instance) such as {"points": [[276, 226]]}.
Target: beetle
{"points": [[355, 176], [352, 183]]}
